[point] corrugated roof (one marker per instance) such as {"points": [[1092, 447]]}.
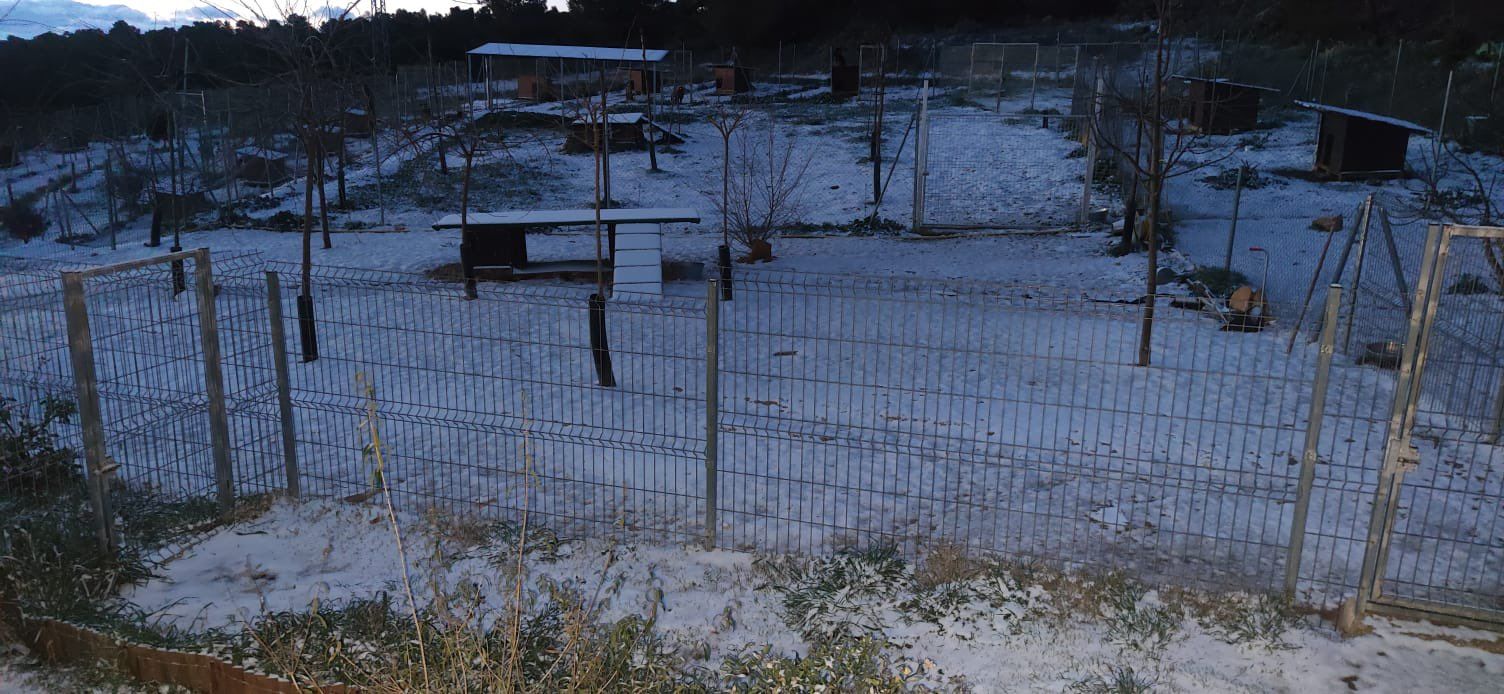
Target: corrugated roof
{"points": [[531, 50], [1364, 115]]}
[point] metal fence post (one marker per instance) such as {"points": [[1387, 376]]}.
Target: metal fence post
{"points": [[284, 388], [712, 406], [921, 153], [214, 384], [1313, 438], [86, 387]]}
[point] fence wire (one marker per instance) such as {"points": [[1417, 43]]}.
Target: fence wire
{"points": [[1003, 171], [1003, 419]]}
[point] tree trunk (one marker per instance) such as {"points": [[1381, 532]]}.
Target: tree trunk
{"points": [[323, 203], [1156, 181], [307, 279]]}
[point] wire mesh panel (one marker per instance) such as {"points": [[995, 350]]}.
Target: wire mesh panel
{"points": [[1009, 420], [149, 363], [1003, 171], [493, 408], [35, 379], [1446, 544]]}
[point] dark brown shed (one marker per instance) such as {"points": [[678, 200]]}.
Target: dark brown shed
{"points": [[1358, 144], [845, 80], [261, 166], [1220, 107]]}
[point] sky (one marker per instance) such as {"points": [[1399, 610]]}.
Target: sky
{"points": [[31, 17]]}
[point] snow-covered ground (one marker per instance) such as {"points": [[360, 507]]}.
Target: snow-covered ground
{"points": [[1004, 417], [711, 604]]}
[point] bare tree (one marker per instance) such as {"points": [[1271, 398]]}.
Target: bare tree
{"points": [[727, 118], [308, 67], [764, 190], [1477, 197], [1171, 145]]}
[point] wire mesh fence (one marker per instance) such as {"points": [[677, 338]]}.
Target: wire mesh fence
{"points": [[493, 406], [1002, 419], [1003, 171]]}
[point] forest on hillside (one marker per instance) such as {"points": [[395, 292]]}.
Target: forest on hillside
{"points": [[51, 72]]}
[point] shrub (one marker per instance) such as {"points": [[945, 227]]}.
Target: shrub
{"points": [[840, 596], [854, 666], [22, 220], [31, 459]]}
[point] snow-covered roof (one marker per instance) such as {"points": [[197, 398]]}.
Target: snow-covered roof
{"points": [[1364, 115], [531, 50], [617, 119], [1225, 81], [651, 215], [260, 153]]}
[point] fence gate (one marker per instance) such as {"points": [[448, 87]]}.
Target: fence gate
{"points": [[144, 344], [1436, 538], [1016, 172]]}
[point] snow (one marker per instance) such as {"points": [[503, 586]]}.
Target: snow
{"points": [[1365, 115], [713, 603], [660, 215], [524, 50], [1046, 386]]}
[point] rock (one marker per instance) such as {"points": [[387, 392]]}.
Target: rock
{"points": [[1328, 224]]}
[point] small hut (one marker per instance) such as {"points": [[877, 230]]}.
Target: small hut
{"points": [[845, 80], [628, 132], [182, 206], [357, 122], [731, 79], [536, 88], [261, 166], [644, 80], [1358, 144], [1219, 107]]}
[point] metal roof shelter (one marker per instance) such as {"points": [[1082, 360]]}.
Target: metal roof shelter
{"points": [[1358, 144], [596, 62], [598, 58], [533, 50]]}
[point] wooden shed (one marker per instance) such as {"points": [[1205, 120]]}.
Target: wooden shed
{"points": [[536, 88], [182, 206], [261, 166], [845, 80], [628, 132], [357, 122], [1218, 106], [1358, 144], [731, 79], [644, 81]]}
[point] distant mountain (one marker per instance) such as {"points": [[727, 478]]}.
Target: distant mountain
{"points": [[29, 18]]}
